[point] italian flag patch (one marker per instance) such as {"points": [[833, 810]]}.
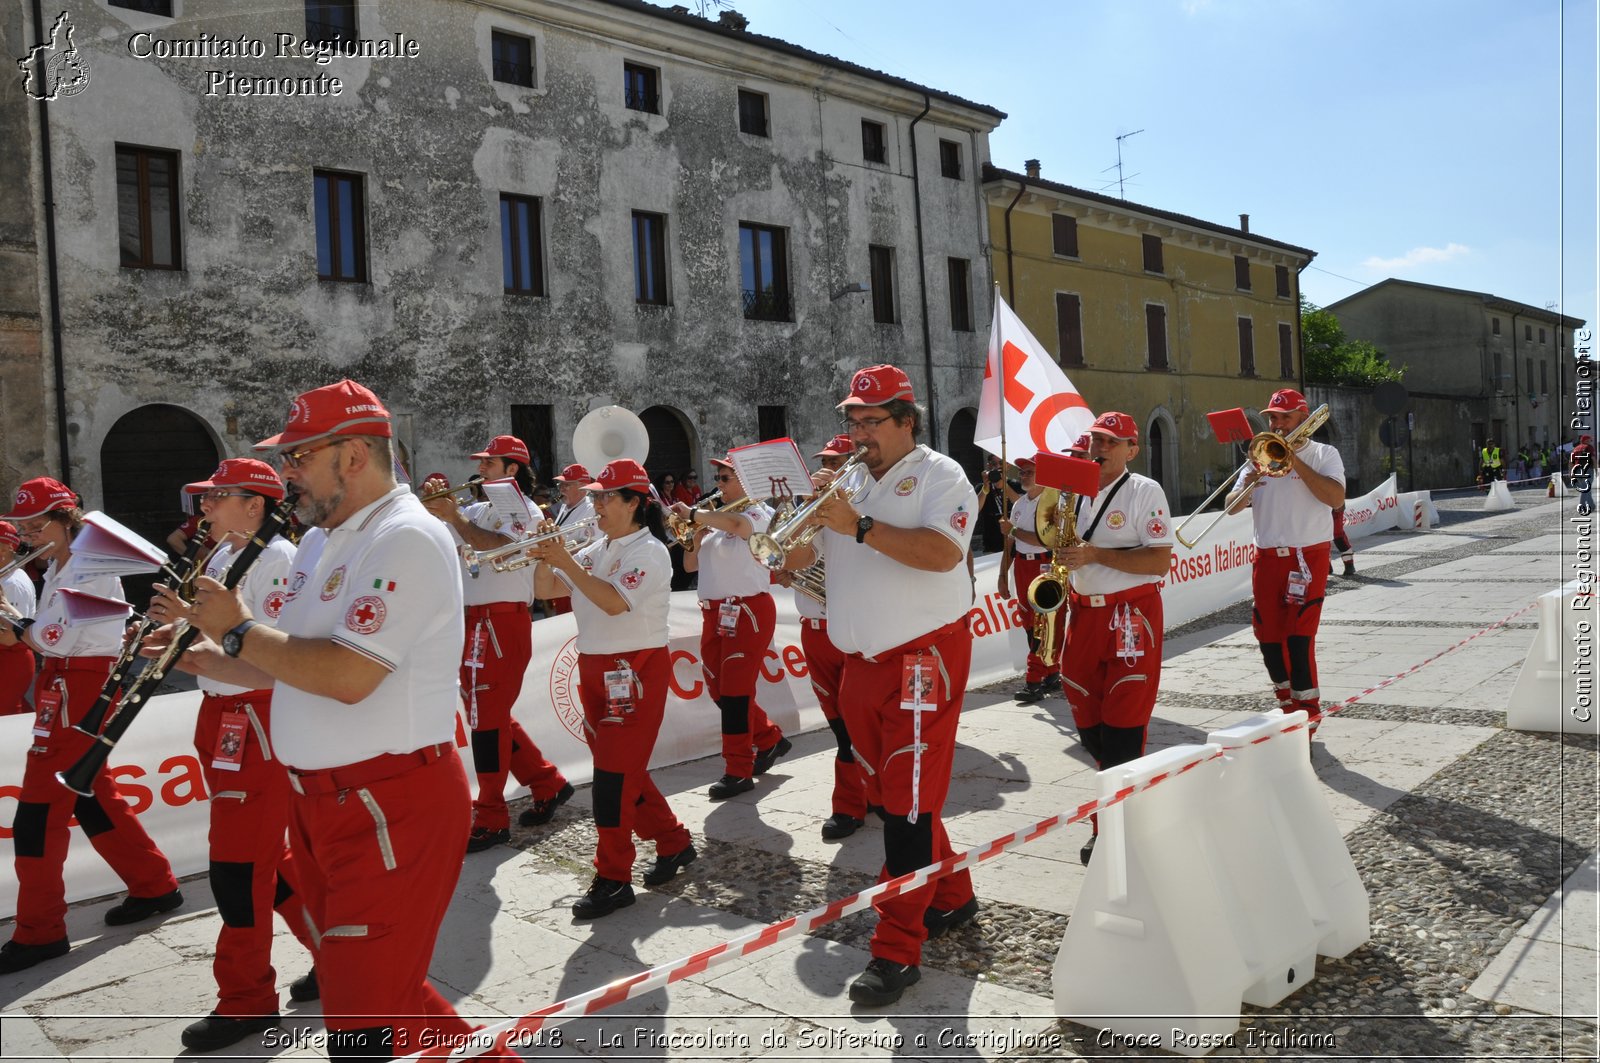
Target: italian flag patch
{"points": [[383, 584]]}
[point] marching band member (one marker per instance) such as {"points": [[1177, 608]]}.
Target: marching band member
{"points": [[251, 871], [77, 662], [573, 508], [619, 586], [499, 644], [1292, 516], [737, 620], [898, 598], [365, 656], [1112, 663], [1028, 557], [18, 601]]}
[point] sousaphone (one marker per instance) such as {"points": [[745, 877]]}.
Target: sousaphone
{"points": [[609, 433]]}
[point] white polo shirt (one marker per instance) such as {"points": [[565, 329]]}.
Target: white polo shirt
{"points": [[56, 636], [1024, 515], [18, 589], [385, 584], [874, 602], [1284, 510], [1135, 516], [727, 568], [491, 586], [264, 588], [640, 568], [571, 515]]}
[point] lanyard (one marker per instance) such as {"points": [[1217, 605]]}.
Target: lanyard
{"points": [[1103, 506]]}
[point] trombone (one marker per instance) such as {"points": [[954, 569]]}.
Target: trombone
{"points": [[797, 529], [516, 555], [1271, 453], [20, 560]]}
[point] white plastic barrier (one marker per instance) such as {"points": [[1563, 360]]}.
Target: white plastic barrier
{"points": [[1375, 511], [1498, 498], [1558, 486], [1548, 695], [1416, 510]]}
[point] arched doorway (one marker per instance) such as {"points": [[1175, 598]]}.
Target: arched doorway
{"points": [[962, 428], [1158, 468], [671, 449]]}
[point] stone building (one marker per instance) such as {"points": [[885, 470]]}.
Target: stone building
{"points": [[1162, 316], [498, 215]]}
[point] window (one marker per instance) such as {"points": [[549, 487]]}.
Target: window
{"points": [[1541, 335], [1530, 376], [753, 113], [1494, 325], [1544, 378], [535, 425], [1152, 253], [1155, 328], [521, 245], [149, 7], [772, 422], [1064, 235], [147, 208], [881, 261], [764, 272], [1527, 332], [641, 88], [1241, 273], [950, 159], [649, 258], [1285, 351], [1069, 328], [874, 141], [1247, 347], [513, 58], [1281, 275], [330, 21], [960, 295], [1499, 374]]}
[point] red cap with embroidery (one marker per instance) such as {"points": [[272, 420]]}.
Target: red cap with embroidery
{"points": [[505, 447], [1082, 445], [342, 409], [877, 385], [248, 473], [620, 474], [39, 496], [1115, 425], [837, 446], [1287, 399], [1023, 463], [574, 474], [9, 536]]}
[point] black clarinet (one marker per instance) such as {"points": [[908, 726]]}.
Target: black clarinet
{"points": [[80, 777]]}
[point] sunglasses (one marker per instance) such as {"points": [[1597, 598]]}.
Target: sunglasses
{"points": [[723, 479], [217, 496], [293, 459]]}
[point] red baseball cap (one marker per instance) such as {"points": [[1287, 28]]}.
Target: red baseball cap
{"points": [[1115, 425], [1287, 399], [1081, 445], [1023, 463], [342, 409], [620, 474], [505, 447], [878, 384], [39, 496], [838, 445], [9, 534], [1583, 439], [724, 462], [248, 473], [574, 474]]}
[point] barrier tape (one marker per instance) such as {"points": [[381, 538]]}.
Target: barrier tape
{"points": [[495, 1038]]}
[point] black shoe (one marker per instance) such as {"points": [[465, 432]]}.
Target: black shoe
{"points": [[883, 981], [132, 909], [483, 838], [1349, 569], [604, 897], [542, 811], [1052, 683], [940, 922], [1029, 694], [766, 758], [219, 1031], [15, 956], [1087, 850], [839, 826], [305, 987], [878, 810], [730, 786], [668, 866]]}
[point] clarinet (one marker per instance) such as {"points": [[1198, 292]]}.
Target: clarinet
{"points": [[80, 777]]}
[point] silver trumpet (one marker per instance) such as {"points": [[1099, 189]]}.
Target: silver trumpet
{"points": [[519, 554], [795, 529]]}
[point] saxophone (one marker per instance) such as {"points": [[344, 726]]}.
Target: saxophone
{"points": [[1056, 523]]}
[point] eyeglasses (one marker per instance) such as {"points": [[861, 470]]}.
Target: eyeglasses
{"points": [[862, 424], [293, 459], [601, 497], [29, 528], [723, 479], [218, 496]]}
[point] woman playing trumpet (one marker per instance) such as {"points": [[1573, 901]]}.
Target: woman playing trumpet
{"points": [[619, 587]]}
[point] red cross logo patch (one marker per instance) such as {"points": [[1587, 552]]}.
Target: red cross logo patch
{"points": [[632, 578], [273, 604], [366, 615], [52, 634], [1157, 527]]}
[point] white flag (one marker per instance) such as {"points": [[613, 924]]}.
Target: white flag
{"points": [[1025, 394]]}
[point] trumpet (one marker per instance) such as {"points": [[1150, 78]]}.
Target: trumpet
{"points": [[1056, 523], [515, 555], [471, 484], [772, 547], [682, 528], [1270, 452]]}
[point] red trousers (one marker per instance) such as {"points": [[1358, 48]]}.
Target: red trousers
{"points": [[626, 801], [885, 741], [1101, 684], [825, 666], [378, 856], [251, 870], [17, 665], [499, 644], [1024, 570], [40, 830], [732, 667], [1287, 629]]}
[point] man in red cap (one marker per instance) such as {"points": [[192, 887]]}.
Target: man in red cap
{"points": [[365, 656], [499, 645], [77, 662], [574, 512], [1293, 518], [898, 597], [19, 601]]}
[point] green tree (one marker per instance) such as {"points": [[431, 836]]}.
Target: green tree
{"points": [[1331, 357]]}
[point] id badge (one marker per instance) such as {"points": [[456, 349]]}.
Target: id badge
{"points": [[728, 619], [46, 711], [229, 752], [619, 694], [919, 684], [1296, 592], [1130, 638]]}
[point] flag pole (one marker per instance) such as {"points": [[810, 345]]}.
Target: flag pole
{"points": [[1000, 356]]}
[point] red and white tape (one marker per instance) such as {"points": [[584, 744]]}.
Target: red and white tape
{"points": [[495, 1038]]}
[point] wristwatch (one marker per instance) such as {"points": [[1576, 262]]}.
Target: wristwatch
{"points": [[233, 641], [863, 526]]}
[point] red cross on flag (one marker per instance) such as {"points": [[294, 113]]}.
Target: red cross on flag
{"points": [[1027, 401]]}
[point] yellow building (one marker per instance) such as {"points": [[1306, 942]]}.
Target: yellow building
{"points": [[1161, 316]]}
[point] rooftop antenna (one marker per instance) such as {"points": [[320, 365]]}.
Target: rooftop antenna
{"points": [[705, 7], [1121, 194]]}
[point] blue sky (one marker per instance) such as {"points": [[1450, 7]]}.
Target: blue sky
{"points": [[1420, 139]]}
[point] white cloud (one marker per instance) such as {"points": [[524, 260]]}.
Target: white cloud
{"points": [[1418, 256]]}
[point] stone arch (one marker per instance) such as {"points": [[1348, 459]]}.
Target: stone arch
{"points": [[1161, 454], [963, 425], [673, 446]]}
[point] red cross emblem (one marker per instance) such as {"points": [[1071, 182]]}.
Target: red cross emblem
{"points": [[366, 615]]}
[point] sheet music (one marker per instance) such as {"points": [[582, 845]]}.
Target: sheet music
{"points": [[773, 469]]}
